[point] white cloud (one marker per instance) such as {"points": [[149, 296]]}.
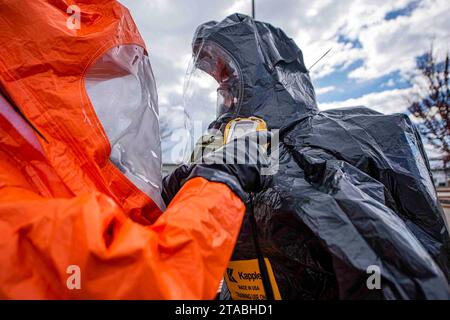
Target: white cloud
{"points": [[323, 90], [393, 45], [389, 101], [168, 27], [389, 83]]}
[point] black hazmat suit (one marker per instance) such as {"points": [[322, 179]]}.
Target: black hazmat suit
{"points": [[353, 187]]}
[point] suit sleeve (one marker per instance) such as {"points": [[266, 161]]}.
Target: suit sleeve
{"points": [[85, 247]]}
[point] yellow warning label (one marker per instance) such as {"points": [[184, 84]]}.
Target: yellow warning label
{"points": [[244, 280]]}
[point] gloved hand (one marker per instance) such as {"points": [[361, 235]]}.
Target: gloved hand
{"points": [[173, 182], [237, 164]]}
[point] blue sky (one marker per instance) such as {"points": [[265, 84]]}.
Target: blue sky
{"points": [[374, 45], [346, 88]]}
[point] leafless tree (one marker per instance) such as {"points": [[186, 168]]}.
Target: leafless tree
{"points": [[431, 103]]}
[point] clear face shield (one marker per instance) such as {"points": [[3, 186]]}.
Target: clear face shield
{"points": [[122, 90], [212, 89]]}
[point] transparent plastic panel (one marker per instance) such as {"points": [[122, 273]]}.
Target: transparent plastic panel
{"points": [[212, 88], [122, 90]]}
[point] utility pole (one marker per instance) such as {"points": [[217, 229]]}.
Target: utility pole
{"points": [[253, 9]]}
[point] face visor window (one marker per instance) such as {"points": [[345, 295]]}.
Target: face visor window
{"points": [[212, 84], [212, 89], [121, 88]]}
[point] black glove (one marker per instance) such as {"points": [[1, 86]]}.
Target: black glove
{"points": [[237, 164], [173, 182]]}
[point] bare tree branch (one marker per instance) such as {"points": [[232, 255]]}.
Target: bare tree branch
{"points": [[433, 107]]}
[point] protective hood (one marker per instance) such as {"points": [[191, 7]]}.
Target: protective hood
{"points": [[82, 78], [273, 81]]}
